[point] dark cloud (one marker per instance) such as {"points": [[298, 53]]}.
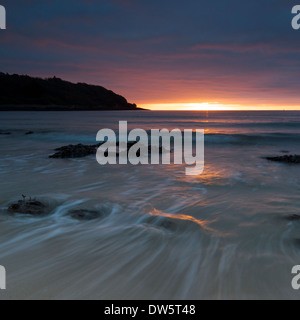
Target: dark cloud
{"points": [[160, 51]]}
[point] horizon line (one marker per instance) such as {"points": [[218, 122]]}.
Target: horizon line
{"points": [[214, 106]]}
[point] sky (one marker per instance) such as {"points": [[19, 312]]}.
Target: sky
{"points": [[161, 54]]}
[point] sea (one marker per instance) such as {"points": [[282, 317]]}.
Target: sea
{"points": [[232, 232]]}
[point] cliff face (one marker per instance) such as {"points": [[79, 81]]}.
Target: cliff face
{"points": [[27, 93]]}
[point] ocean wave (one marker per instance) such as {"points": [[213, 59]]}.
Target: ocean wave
{"points": [[250, 139]]}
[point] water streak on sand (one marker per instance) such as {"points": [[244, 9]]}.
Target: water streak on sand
{"points": [[231, 232]]}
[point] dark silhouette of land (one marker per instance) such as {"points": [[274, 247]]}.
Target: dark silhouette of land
{"points": [[25, 93]]}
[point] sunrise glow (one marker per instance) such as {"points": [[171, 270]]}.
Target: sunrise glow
{"points": [[213, 106], [189, 106]]}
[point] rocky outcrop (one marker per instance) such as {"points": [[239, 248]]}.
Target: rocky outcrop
{"points": [[74, 151], [28, 207], [292, 217], [20, 92], [290, 159], [81, 150]]}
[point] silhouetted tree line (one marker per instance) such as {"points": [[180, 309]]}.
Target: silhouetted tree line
{"points": [[25, 90]]}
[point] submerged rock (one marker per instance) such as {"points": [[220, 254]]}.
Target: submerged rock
{"points": [[29, 133], [3, 133], [168, 225], [292, 159], [30, 207], [163, 223], [86, 215]]}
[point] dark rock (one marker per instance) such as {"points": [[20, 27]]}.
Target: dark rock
{"points": [[80, 150], [30, 207], [74, 151], [29, 132], [86, 215], [291, 159], [293, 217], [5, 133]]}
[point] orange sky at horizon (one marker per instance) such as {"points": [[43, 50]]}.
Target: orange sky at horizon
{"points": [[214, 106]]}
